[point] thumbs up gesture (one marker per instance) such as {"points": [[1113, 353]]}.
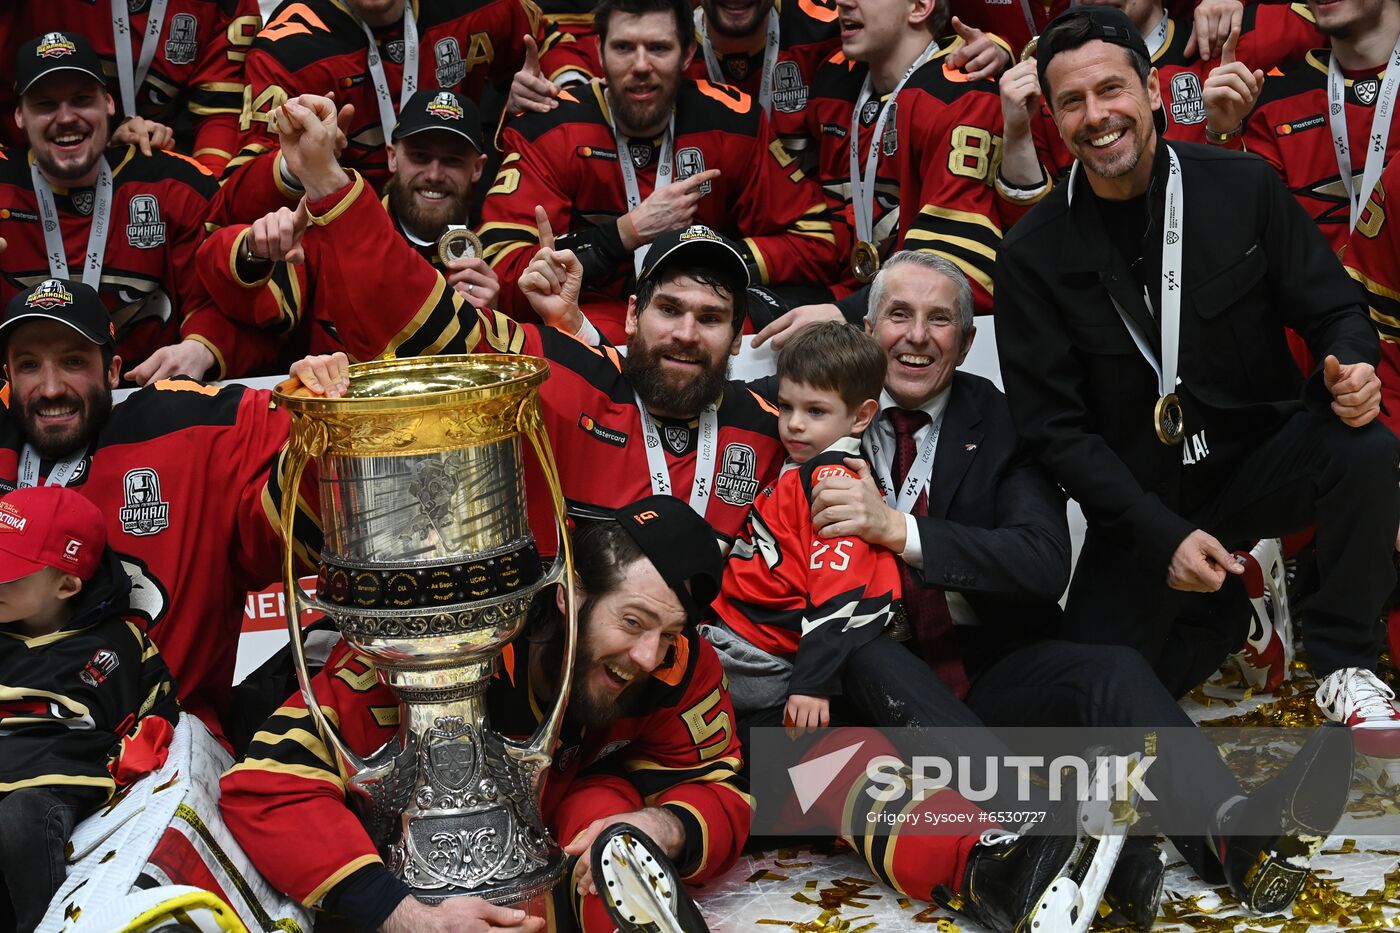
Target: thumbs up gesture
{"points": [[1355, 389], [1230, 90], [530, 89]]}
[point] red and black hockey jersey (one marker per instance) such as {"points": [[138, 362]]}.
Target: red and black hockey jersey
{"points": [[800, 597], [808, 32], [1372, 257], [317, 46], [1289, 128], [75, 703], [682, 754], [566, 161], [938, 158], [186, 475], [1271, 35], [159, 204], [197, 66], [570, 52]]}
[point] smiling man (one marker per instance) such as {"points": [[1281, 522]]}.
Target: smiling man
{"points": [[126, 223], [647, 150], [1140, 318], [648, 740]]}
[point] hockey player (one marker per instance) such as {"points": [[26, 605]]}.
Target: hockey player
{"points": [[618, 163], [126, 223], [648, 738], [1323, 122], [319, 46], [436, 159], [177, 63]]}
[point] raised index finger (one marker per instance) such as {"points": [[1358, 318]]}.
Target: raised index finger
{"points": [[1227, 53], [546, 230]]}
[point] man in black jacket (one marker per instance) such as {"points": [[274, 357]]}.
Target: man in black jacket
{"points": [[1140, 316]]}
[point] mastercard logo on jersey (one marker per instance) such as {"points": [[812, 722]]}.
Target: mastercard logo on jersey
{"points": [[50, 294]]}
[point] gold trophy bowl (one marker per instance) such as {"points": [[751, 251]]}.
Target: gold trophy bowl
{"points": [[428, 568]]}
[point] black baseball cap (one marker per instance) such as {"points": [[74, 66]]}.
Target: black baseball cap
{"points": [[1106, 23], [680, 545], [55, 51], [440, 109], [697, 243], [65, 301]]}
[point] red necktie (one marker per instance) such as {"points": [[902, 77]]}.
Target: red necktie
{"points": [[926, 606]]}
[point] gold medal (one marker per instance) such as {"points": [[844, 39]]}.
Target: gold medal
{"points": [[1028, 52], [458, 242], [865, 261], [1169, 420]]}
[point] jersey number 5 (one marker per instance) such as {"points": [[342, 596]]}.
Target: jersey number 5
{"points": [[710, 731]]}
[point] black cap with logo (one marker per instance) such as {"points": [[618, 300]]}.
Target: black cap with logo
{"points": [[680, 545], [439, 109], [697, 243], [55, 51], [65, 301]]}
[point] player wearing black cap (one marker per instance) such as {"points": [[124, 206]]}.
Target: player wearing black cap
{"points": [[126, 223], [648, 739], [1140, 316], [665, 419], [436, 159]]}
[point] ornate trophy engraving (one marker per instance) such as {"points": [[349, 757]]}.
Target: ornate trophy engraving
{"points": [[428, 567]]}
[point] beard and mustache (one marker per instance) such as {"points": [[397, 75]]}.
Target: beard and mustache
{"points": [[424, 222], [93, 408], [671, 393]]}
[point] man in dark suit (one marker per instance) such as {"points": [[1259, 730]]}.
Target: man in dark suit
{"points": [[1141, 312], [981, 532]]}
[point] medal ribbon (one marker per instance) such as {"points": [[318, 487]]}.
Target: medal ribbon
{"points": [[770, 58], [1158, 37], [920, 471], [703, 484], [131, 78], [863, 186], [1380, 131], [1169, 312], [388, 114], [664, 170], [61, 473], [97, 233]]}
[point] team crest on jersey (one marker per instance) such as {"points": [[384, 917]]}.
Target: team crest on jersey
{"points": [[445, 107], [869, 111], [144, 513], [737, 481], [182, 43], [889, 139], [144, 229], [564, 758], [608, 749], [82, 201], [451, 69], [1367, 91], [789, 93], [641, 154], [677, 437], [136, 6], [55, 45], [393, 50], [691, 161], [1188, 104], [99, 667], [49, 294], [736, 66]]}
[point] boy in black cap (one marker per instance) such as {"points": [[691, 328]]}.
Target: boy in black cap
{"points": [[88, 706], [648, 738]]}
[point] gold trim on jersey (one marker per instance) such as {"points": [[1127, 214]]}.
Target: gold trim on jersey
{"points": [[704, 836], [340, 874]]}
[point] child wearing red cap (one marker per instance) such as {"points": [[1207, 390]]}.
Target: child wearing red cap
{"points": [[86, 703]]}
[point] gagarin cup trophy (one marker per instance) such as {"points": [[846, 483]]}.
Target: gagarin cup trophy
{"points": [[428, 567]]}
